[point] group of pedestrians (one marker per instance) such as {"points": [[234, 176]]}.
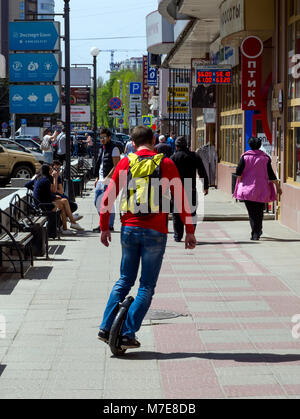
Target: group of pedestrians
{"points": [[144, 234], [54, 145]]}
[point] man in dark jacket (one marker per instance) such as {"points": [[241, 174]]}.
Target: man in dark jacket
{"points": [[188, 164], [163, 147], [108, 158]]}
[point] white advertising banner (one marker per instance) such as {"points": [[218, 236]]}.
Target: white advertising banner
{"points": [[232, 17], [78, 114]]}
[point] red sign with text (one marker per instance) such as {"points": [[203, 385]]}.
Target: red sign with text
{"points": [[251, 49], [145, 78]]}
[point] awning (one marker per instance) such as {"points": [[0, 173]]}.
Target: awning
{"points": [[194, 42]]}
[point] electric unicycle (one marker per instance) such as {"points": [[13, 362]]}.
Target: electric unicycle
{"points": [[116, 328]]}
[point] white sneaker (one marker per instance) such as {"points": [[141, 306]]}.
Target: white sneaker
{"points": [[67, 233], [77, 227], [77, 217]]}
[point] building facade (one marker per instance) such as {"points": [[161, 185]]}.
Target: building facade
{"points": [[263, 98]]}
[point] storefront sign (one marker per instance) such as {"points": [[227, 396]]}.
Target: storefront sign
{"points": [[232, 17], [251, 49], [214, 75], [145, 78]]}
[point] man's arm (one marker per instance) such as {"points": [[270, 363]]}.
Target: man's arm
{"points": [[202, 173]]}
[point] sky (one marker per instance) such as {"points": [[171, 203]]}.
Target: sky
{"points": [[104, 19]]}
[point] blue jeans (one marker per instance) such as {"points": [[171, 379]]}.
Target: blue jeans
{"points": [[138, 245], [99, 192], [75, 151]]}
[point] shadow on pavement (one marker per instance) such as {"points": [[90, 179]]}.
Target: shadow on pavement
{"points": [[200, 243], [2, 368], [39, 273], [275, 239], [238, 357]]}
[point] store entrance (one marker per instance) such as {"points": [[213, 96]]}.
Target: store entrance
{"points": [[278, 160]]}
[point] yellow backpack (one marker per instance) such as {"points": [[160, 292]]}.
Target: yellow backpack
{"points": [[143, 195]]}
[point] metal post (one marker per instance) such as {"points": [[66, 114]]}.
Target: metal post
{"points": [[68, 184], [95, 110]]}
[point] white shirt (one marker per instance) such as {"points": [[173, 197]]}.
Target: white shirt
{"points": [[115, 153]]}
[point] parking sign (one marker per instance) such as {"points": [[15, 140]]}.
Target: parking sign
{"points": [[135, 88]]}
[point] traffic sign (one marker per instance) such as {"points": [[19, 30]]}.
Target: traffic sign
{"points": [[135, 88], [115, 103], [134, 113], [24, 122], [34, 36], [147, 120], [152, 74], [4, 125], [134, 106], [135, 98], [115, 114], [30, 99], [121, 121], [34, 68]]}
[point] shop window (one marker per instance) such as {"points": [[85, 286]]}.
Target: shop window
{"points": [[297, 133], [290, 168]]}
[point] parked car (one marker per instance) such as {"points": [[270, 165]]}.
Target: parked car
{"points": [[13, 145], [16, 164], [122, 137], [28, 143]]}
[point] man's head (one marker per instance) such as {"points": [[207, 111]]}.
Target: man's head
{"points": [[105, 136], [254, 143], [162, 139], [56, 165], [142, 136], [172, 135], [181, 143]]}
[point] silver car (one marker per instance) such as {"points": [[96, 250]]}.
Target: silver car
{"points": [[13, 145]]}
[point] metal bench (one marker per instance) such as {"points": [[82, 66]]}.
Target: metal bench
{"points": [[28, 221], [21, 242]]}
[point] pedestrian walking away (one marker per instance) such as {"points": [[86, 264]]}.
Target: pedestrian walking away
{"points": [[90, 145], [75, 144], [163, 147], [144, 233], [108, 158], [255, 185], [188, 164], [61, 146]]}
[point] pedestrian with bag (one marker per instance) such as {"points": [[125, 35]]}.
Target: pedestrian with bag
{"points": [[144, 228], [46, 144], [188, 164], [255, 185]]}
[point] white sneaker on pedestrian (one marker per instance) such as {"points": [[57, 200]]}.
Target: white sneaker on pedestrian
{"points": [[77, 227], [77, 217], [67, 233]]}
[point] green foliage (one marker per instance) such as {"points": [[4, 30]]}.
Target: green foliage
{"points": [[112, 88]]}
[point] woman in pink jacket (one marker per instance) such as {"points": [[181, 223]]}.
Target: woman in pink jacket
{"points": [[255, 184]]}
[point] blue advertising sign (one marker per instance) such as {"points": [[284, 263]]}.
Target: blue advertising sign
{"points": [[34, 36], [135, 88], [152, 75], [34, 68], [30, 99]]}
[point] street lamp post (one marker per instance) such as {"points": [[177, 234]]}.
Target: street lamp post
{"points": [[95, 52], [68, 184]]}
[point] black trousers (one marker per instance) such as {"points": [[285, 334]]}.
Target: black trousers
{"points": [[256, 215], [179, 226]]}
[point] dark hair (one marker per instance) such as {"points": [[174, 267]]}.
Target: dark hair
{"points": [[142, 135], [105, 131], [181, 143], [57, 163], [48, 130], [254, 143], [44, 171]]}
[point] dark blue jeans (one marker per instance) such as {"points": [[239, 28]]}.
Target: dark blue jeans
{"points": [[138, 245]]}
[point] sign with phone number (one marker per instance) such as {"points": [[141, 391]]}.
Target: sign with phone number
{"points": [[214, 76]]}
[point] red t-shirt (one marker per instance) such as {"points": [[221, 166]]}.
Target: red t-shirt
{"points": [[159, 221]]}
